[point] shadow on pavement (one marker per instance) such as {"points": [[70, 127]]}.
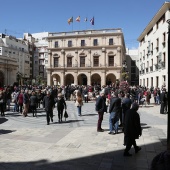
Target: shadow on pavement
{"points": [[3, 120], [89, 115], [68, 121], [2, 131], [102, 161]]}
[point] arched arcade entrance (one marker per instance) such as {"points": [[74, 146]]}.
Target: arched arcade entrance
{"points": [[110, 78], [56, 79], [82, 79], [69, 79], [95, 79]]}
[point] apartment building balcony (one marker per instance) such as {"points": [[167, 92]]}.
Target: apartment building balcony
{"points": [[151, 68], [146, 70]]}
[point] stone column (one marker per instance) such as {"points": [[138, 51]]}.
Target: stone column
{"points": [[50, 63], [63, 57], [104, 57], [89, 78], [49, 79], [103, 78], [75, 78], [62, 82], [119, 56]]}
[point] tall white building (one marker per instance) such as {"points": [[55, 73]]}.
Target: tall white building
{"points": [[40, 55], [15, 59], [153, 50]]}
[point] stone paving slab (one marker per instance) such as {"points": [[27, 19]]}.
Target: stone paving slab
{"points": [[28, 143]]}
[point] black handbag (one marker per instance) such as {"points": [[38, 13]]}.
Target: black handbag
{"points": [[65, 114]]}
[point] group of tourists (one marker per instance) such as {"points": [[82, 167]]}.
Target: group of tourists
{"points": [[121, 103]]}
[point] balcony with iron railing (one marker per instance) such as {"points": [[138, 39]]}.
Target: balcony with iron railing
{"points": [[151, 68]]}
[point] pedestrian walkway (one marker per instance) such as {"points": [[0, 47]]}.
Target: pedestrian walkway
{"points": [[27, 143]]}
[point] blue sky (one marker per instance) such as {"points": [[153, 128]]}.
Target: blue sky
{"points": [[132, 16]]}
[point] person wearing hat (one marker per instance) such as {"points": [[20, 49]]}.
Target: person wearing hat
{"points": [[61, 105], [132, 129]]}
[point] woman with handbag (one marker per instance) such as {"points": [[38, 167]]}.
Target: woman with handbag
{"points": [[61, 105], [79, 102]]}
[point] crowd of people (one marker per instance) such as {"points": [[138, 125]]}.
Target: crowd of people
{"points": [[121, 102]]}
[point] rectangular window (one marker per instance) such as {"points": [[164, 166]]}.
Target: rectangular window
{"points": [[82, 61], [41, 68], [69, 43], [82, 42], [56, 44], [151, 81], [46, 61], [55, 62], [111, 60], [111, 41], [41, 62], [96, 61], [69, 61], [36, 62], [157, 44], [95, 43]]}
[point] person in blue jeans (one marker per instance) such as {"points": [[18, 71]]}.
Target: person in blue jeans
{"points": [[114, 110], [113, 123]]}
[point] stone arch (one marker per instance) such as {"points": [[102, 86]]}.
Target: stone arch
{"points": [[110, 78], [95, 79], [82, 79], [2, 78], [69, 79], [56, 80]]}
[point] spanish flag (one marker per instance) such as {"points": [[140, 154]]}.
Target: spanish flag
{"points": [[70, 20], [78, 19]]}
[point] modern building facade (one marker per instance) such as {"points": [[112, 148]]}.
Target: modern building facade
{"points": [[153, 50], [15, 59], [132, 62], [85, 57]]}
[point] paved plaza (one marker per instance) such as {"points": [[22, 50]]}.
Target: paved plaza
{"points": [[27, 143]]}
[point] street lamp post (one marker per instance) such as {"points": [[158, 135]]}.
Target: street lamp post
{"points": [[168, 126]]}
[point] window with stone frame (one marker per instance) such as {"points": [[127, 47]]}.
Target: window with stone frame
{"points": [[69, 61], [110, 41], [69, 43], [82, 61], [96, 61], [55, 62], [82, 42], [111, 60]]}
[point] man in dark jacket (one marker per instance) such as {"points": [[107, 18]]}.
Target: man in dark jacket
{"points": [[164, 101], [114, 110], [132, 129], [48, 104], [100, 108]]}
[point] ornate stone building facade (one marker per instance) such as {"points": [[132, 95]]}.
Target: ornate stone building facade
{"points": [[85, 57]]}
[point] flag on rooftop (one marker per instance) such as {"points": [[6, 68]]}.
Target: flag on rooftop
{"points": [[78, 19], [70, 20], [92, 21]]}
